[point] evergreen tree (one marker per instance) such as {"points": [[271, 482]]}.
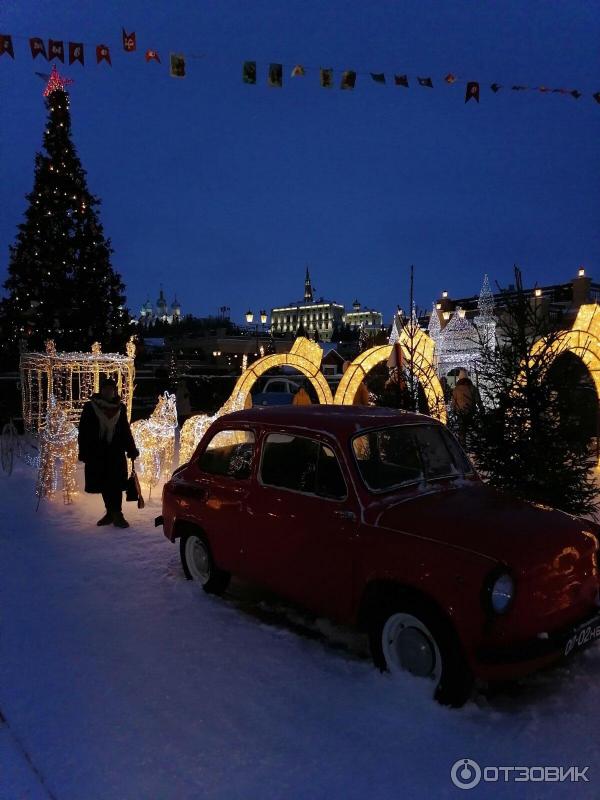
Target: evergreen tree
{"points": [[524, 438], [61, 284]]}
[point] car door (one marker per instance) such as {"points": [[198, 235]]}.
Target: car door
{"points": [[222, 476], [305, 520]]}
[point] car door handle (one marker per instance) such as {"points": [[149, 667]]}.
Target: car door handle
{"points": [[348, 515]]}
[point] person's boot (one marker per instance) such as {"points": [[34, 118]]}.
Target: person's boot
{"points": [[119, 520], [106, 519]]}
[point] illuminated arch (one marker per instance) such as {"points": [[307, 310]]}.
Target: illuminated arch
{"points": [[422, 365], [305, 356], [583, 340]]}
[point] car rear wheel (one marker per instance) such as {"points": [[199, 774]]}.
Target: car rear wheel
{"points": [[410, 638], [198, 564]]}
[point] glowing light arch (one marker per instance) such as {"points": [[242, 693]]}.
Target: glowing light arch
{"points": [[422, 363]]}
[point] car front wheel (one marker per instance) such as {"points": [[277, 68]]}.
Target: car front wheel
{"points": [[198, 564], [410, 638]]}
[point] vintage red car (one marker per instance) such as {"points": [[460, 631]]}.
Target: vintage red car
{"points": [[376, 517]]}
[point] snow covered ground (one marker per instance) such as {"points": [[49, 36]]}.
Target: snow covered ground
{"points": [[119, 680]]}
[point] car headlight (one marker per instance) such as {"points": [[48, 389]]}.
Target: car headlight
{"points": [[501, 592]]}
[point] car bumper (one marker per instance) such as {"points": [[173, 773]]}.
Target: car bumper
{"points": [[518, 660]]}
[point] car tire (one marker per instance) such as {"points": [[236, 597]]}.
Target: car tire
{"points": [[410, 636], [199, 565]]}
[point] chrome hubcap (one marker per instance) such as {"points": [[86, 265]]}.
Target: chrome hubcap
{"points": [[408, 646], [197, 559]]}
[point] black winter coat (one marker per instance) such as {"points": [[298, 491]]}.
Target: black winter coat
{"points": [[105, 463]]}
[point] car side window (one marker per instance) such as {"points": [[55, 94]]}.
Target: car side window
{"points": [[302, 465], [229, 453]]}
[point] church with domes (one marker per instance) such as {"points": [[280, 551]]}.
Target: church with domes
{"points": [[161, 311]]}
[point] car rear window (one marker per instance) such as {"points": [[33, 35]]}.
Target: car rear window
{"points": [[301, 465], [229, 453], [406, 454]]}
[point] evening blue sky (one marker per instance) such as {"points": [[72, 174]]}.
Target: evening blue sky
{"points": [[224, 192]]}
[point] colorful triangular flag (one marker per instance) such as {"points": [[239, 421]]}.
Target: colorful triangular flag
{"points": [[348, 79], [298, 71], [56, 49], [518, 88], [129, 41], [378, 77], [575, 93], [326, 77], [401, 80], [472, 91], [275, 77], [249, 72], [102, 54], [177, 65], [495, 87], [450, 78], [152, 55], [76, 52], [37, 47], [425, 82], [596, 96]]}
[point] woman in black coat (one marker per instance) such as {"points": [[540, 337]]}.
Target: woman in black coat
{"points": [[105, 440]]}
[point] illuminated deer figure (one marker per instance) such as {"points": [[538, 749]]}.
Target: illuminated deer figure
{"points": [[155, 439], [58, 454]]}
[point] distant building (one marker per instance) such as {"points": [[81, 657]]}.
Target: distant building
{"points": [[160, 311], [320, 315], [363, 318]]}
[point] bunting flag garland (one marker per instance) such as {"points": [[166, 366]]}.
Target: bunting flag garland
{"points": [[348, 79], [103, 54], [326, 77], [129, 42], [275, 78], [177, 65], [472, 91], [76, 52], [56, 49], [37, 47], [249, 72]]}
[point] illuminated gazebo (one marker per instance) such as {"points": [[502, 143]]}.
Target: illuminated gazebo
{"points": [[71, 378]]}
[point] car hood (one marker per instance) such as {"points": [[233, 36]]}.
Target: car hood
{"points": [[487, 522]]}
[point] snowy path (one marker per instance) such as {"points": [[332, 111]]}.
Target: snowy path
{"points": [[121, 680]]}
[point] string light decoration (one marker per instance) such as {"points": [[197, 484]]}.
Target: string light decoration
{"points": [[56, 82], [418, 355], [155, 439], [305, 356], [58, 454], [71, 378]]}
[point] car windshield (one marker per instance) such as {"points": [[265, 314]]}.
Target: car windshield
{"points": [[406, 454]]}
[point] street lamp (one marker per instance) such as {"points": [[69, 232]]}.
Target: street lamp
{"points": [[263, 317], [249, 317]]}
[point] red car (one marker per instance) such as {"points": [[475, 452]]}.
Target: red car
{"points": [[376, 517]]}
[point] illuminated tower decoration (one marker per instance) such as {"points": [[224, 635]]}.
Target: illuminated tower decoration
{"points": [[161, 306], [61, 284], [308, 289], [485, 321]]}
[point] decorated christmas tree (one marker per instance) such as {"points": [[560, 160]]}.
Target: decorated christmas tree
{"points": [[61, 284]]}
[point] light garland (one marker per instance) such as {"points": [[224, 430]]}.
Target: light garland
{"points": [[71, 378], [155, 439], [58, 454]]}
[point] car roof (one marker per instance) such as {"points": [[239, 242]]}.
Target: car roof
{"points": [[335, 419]]}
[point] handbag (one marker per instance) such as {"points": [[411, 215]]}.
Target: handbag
{"points": [[133, 491]]}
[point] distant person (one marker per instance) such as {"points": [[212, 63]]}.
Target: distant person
{"points": [[105, 443], [464, 403], [362, 397], [302, 398]]}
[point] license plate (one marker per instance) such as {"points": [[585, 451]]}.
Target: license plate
{"points": [[583, 635]]}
